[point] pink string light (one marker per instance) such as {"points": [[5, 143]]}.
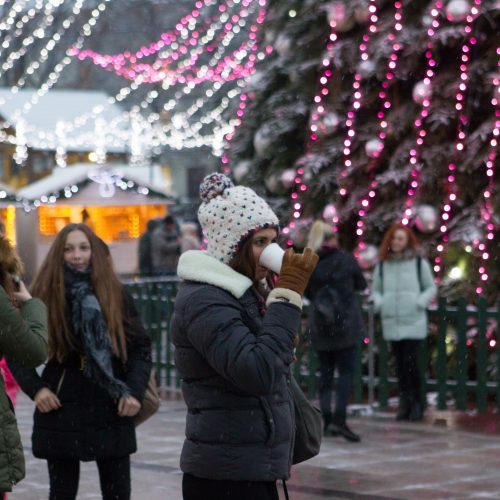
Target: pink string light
{"points": [[419, 123], [182, 29], [452, 191], [357, 97], [185, 70], [385, 104], [319, 110], [488, 212]]}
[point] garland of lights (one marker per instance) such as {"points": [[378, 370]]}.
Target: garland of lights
{"points": [[419, 123], [318, 112], [452, 195], [356, 101], [385, 104], [488, 211], [48, 20], [191, 136], [54, 76]]}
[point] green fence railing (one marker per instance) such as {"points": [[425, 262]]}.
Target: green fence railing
{"points": [[459, 361]]}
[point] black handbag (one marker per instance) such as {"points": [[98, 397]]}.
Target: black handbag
{"points": [[308, 425]]}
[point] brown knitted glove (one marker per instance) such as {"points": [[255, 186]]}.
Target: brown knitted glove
{"points": [[296, 270]]}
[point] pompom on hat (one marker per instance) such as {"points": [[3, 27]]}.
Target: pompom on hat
{"points": [[230, 214]]}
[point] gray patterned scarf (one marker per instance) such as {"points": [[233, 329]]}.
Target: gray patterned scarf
{"points": [[90, 329]]}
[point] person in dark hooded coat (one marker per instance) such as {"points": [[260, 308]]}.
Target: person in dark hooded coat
{"points": [[335, 280]]}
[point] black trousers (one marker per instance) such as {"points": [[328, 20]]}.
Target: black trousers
{"points": [[196, 488], [406, 352], [345, 361], [114, 477]]}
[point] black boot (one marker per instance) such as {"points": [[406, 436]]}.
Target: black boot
{"points": [[416, 410], [344, 431], [340, 428], [327, 420], [404, 408]]}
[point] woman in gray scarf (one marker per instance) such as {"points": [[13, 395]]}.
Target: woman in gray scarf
{"points": [[98, 369]]}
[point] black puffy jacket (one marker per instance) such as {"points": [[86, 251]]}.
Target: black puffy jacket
{"points": [[235, 369]]}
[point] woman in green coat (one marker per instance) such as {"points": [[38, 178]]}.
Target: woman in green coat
{"points": [[23, 334], [403, 287]]}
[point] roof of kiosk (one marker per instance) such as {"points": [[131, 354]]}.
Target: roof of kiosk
{"points": [[100, 185]]}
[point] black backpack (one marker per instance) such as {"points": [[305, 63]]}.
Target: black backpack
{"points": [[330, 313]]}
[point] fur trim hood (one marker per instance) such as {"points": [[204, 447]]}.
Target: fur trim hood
{"points": [[196, 265]]}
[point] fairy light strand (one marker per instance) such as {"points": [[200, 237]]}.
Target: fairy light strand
{"points": [[419, 123], [385, 104], [462, 124]]}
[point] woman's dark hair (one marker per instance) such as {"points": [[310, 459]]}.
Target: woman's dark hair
{"points": [[244, 262], [48, 286]]}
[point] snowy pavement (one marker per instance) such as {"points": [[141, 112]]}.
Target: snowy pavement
{"points": [[431, 460]]}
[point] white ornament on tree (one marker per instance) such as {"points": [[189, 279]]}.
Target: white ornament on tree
{"points": [[366, 68], [328, 124], [374, 147], [288, 177], [426, 219], [272, 183], [421, 91], [330, 213], [337, 13], [241, 170], [283, 44], [457, 10], [262, 140], [367, 256]]}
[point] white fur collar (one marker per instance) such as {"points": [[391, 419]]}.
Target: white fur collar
{"points": [[195, 265]]}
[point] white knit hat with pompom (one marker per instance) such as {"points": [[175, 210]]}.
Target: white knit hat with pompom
{"points": [[230, 214]]}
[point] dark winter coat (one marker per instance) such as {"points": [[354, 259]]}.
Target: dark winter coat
{"points": [[165, 249], [23, 338], [144, 253], [87, 426], [340, 270], [235, 369]]}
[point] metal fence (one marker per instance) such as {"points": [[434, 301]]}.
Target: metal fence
{"points": [[459, 362]]}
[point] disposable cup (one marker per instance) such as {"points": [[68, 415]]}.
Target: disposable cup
{"points": [[272, 257]]}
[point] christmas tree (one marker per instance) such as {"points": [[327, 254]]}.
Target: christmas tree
{"points": [[371, 112]]}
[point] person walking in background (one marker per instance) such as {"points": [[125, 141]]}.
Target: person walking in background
{"points": [[189, 237], [166, 246], [23, 339], [98, 369], [144, 251], [403, 287], [335, 323], [234, 341]]}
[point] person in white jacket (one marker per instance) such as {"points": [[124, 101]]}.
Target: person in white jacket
{"points": [[403, 287]]}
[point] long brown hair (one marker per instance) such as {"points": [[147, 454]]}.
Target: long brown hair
{"points": [[244, 261], [48, 285], [11, 267], [385, 246]]}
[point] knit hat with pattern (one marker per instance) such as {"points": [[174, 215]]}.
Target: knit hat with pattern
{"points": [[229, 214]]}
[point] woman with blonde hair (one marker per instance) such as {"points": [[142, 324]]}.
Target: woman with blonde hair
{"points": [[98, 369], [335, 323], [403, 287], [23, 332]]}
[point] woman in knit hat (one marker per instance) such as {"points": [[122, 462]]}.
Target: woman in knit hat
{"points": [[234, 348]]}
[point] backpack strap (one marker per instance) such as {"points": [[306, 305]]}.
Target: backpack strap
{"points": [[419, 272], [381, 274]]}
